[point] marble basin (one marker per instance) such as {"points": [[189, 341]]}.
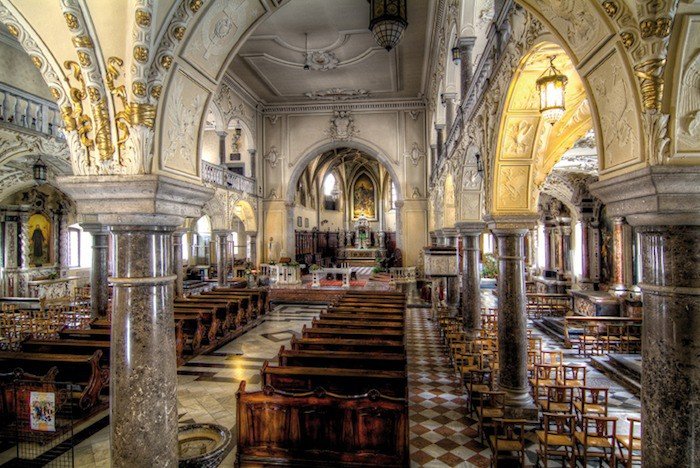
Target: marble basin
{"points": [[203, 445]]}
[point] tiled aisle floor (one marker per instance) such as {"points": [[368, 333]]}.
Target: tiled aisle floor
{"points": [[441, 434]]}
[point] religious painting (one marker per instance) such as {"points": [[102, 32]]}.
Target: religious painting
{"points": [[42, 407], [39, 240], [364, 198]]}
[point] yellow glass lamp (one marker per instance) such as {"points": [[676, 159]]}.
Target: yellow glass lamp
{"points": [[552, 86]]}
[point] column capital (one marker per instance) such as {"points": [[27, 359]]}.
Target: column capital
{"points": [[252, 233], [449, 232], [511, 224], [136, 200], [470, 228], [220, 232], [94, 228], [222, 133], [466, 42], [654, 195], [449, 96]]}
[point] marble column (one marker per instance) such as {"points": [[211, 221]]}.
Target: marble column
{"points": [[440, 129], [63, 243], [177, 263], [512, 318], [547, 240], [433, 157], [222, 146], [661, 203], [24, 240], [585, 265], [253, 164], [399, 224], [143, 390], [619, 280], [452, 282], [466, 45], [99, 286], [222, 237], [471, 276], [449, 99], [566, 249], [670, 344], [253, 235]]}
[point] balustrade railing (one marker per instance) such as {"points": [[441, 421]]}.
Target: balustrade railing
{"points": [[217, 175], [28, 111]]}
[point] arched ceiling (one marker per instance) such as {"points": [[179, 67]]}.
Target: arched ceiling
{"points": [[345, 62]]}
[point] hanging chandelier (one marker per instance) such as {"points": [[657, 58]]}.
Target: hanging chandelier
{"points": [[551, 86], [39, 171], [387, 22]]}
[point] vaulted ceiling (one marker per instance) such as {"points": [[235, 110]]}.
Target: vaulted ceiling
{"points": [[344, 60]]}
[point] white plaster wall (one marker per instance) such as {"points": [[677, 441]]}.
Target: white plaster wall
{"points": [[18, 70]]}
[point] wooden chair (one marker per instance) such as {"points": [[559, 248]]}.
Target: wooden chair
{"points": [[559, 399], [588, 342], [508, 441], [553, 358], [478, 382], [593, 401], [630, 445], [491, 405], [612, 340], [596, 439], [631, 340], [534, 343], [556, 439], [467, 363], [573, 375], [533, 358], [544, 375]]}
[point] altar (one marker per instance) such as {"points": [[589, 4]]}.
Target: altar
{"points": [[365, 251]]}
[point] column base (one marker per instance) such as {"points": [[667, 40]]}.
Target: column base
{"points": [[528, 413]]}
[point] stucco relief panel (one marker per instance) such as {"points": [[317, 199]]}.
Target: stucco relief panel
{"points": [[179, 136], [512, 182], [687, 124], [218, 32], [519, 137], [618, 114], [576, 21], [470, 205]]}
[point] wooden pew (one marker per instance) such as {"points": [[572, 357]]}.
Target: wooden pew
{"points": [[67, 346], [16, 386], [335, 380], [82, 369], [368, 325], [361, 317], [358, 334], [342, 359], [320, 429], [225, 311], [368, 310], [332, 344], [255, 299]]}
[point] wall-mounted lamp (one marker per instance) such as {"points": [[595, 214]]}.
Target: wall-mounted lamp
{"points": [[456, 56], [479, 164]]}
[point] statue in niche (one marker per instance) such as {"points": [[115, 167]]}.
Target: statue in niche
{"points": [[39, 236]]}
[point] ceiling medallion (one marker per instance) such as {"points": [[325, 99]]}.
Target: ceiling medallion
{"points": [[321, 60], [337, 94]]}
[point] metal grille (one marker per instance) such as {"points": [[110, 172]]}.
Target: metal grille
{"points": [[40, 421]]}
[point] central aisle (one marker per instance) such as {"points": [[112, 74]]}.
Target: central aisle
{"points": [[440, 433]]}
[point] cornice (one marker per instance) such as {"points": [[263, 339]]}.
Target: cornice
{"points": [[344, 105]]}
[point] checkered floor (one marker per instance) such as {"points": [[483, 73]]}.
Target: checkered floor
{"points": [[441, 433]]}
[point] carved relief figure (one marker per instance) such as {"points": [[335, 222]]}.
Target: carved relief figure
{"points": [[342, 126]]}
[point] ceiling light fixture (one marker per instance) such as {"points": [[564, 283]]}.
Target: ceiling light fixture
{"points": [[39, 171], [387, 21], [306, 51], [551, 86]]}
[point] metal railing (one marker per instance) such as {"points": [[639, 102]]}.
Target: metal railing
{"points": [[223, 177], [25, 110]]}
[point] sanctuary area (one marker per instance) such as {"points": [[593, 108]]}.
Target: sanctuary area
{"points": [[347, 233]]}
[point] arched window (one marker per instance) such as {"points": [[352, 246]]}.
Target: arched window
{"points": [[330, 192]]}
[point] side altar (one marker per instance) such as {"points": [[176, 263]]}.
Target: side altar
{"points": [[365, 251]]}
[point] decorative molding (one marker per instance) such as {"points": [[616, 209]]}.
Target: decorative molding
{"points": [[416, 154], [273, 157], [321, 60], [337, 94], [347, 106]]}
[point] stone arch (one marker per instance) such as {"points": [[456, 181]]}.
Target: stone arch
{"points": [[246, 213], [314, 151], [528, 147]]}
